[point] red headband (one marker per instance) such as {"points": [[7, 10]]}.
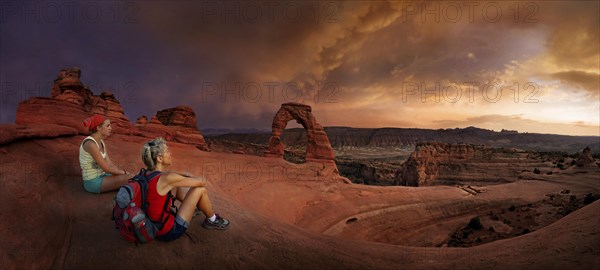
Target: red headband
{"points": [[94, 121]]}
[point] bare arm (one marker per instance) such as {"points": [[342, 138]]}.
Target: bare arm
{"points": [[112, 165], [108, 159], [178, 180], [186, 174], [92, 148]]}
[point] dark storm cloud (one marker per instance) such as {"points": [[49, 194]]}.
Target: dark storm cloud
{"points": [[575, 39], [582, 80], [370, 44], [236, 62]]}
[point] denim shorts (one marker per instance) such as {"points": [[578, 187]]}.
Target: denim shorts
{"points": [[95, 185], [179, 228]]}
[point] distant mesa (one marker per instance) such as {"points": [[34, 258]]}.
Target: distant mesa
{"points": [[344, 138], [71, 102], [220, 131]]}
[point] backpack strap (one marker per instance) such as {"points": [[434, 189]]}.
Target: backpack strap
{"points": [[147, 179], [162, 216], [144, 185]]}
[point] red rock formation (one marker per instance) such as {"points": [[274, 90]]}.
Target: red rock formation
{"points": [[68, 78], [107, 104], [72, 102], [368, 172], [585, 159], [68, 86], [14, 132], [174, 124], [318, 146], [142, 120], [154, 120], [154, 129], [421, 168], [179, 116], [43, 110], [434, 163]]}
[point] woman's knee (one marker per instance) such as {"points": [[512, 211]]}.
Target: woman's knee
{"points": [[199, 190]]}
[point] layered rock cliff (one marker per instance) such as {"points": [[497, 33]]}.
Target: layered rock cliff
{"points": [[436, 163]]}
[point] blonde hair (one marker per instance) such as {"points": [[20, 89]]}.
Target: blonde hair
{"points": [[153, 149]]}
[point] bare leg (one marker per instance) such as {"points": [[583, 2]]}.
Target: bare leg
{"points": [[180, 192], [113, 182], [195, 198]]}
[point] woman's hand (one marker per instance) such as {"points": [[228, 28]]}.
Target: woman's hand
{"points": [[118, 171]]}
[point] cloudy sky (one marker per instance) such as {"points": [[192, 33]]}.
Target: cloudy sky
{"points": [[526, 66]]}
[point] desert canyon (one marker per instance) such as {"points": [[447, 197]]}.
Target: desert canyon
{"points": [[302, 198]]}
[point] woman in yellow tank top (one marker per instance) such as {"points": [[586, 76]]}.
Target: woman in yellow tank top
{"points": [[98, 172]]}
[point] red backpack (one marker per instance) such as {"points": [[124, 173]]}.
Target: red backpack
{"points": [[129, 212]]}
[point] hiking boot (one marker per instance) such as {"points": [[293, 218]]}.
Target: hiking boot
{"points": [[219, 223]]}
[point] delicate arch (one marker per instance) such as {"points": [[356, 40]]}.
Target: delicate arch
{"points": [[318, 146]]}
